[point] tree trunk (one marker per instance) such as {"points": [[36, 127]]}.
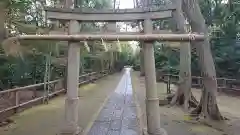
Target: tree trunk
{"points": [[2, 20], [142, 71], [111, 60], [183, 94], [102, 64], [65, 77], [111, 27], [208, 106], [139, 4]]}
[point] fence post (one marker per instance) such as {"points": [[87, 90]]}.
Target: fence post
{"points": [[81, 78], [90, 77], [224, 84], [168, 85], [98, 75], [95, 76], [85, 78], [17, 100], [198, 81], [35, 93]]}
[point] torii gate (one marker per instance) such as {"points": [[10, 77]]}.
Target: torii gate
{"points": [[70, 125]]}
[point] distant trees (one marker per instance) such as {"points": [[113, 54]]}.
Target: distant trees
{"points": [[24, 63]]}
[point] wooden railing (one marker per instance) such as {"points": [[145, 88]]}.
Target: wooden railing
{"points": [[224, 84], [21, 98]]}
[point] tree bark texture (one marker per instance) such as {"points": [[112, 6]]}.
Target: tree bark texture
{"points": [[142, 71], [183, 94], [208, 105]]}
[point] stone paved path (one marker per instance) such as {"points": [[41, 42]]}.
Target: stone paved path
{"points": [[118, 116]]}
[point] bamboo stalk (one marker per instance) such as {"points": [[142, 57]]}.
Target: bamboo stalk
{"points": [[83, 37]]}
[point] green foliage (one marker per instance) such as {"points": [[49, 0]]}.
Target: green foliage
{"points": [[16, 72], [96, 4], [224, 28], [223, 19], [166, 58], [127, 56], [26, 16]]}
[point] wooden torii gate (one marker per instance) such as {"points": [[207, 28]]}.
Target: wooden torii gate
{"points": [[70, 124]]}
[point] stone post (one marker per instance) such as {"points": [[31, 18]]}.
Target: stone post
{"points": [[70, 125], [152, 101]]}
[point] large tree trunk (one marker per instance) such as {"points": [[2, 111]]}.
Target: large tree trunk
{"points": [[142, 70], [111, 27], [208, 105], [111, 60], [183, 94]]}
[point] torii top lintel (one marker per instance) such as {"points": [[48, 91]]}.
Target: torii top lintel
{"points": [[109, 15]]}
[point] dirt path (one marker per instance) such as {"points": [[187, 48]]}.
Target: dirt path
{"points": [[46, 119], [177, 123]]}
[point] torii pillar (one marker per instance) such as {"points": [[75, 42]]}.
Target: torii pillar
{"points": [[152, 100], [70, 123]]}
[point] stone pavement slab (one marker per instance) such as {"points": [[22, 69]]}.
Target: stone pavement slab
{"points": [[118, 116]]}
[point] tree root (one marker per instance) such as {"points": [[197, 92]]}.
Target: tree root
{"points": [[193, 101], [6, 122], [179, 100], [207, 108], [220, 126]]}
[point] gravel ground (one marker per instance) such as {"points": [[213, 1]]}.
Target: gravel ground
{"points": [[175, 122]]}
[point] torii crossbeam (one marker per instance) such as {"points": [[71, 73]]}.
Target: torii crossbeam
{"points": [[104, 15]]}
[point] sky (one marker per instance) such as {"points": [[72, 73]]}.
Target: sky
{"points": [[123, 5], [126, 4]]}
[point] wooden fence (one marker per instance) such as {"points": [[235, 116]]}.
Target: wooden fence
{"points": [[21, 98], [224, 84]]}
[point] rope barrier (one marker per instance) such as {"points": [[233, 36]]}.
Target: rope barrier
{"points": [[140, 37]]}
